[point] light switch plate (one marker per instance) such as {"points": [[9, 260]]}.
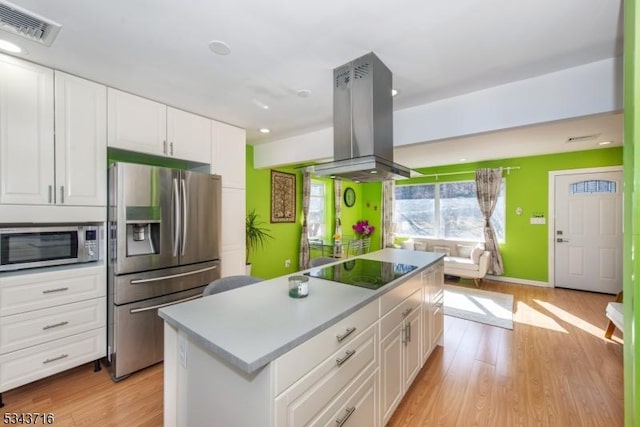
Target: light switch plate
{"points": [[538, 221]]}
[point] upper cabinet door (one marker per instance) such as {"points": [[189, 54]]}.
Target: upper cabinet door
{"points": [[228, 154], [136, 124], [81, 141], [26, 133], [188, 135]]}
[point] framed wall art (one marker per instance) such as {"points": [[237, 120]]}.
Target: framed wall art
{"points": [[283, 197]]}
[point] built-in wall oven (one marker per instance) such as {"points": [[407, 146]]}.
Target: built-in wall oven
{"points": [[29, 246]]}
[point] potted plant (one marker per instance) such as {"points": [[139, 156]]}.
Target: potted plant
{"points": [[255, 235]]}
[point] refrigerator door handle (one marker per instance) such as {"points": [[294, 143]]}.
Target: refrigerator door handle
{"points": [[184, 216], [167, 304], [176, 215], [172, 276]]}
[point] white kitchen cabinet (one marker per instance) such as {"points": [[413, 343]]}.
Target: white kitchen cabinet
{"points": [[228, 154], [400, 350], [232, 241], [144, 126], [37, 168], [26, 133], [188, 136], [357, 406], [432, 308], [136, 123], [51, 320], [80, 141]]}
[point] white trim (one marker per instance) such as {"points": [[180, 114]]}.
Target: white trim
{"points": [[552, 211], [519, 281]]}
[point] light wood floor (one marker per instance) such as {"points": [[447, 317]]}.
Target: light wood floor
{"points": [[554, 369]]}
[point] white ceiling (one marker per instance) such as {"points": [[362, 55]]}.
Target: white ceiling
{"points": [[435, 49]]}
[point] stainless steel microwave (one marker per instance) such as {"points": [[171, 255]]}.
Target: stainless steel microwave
{"points": [[49, 245]]}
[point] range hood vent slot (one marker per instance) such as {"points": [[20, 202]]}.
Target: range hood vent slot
{"points": [[26, 24]]}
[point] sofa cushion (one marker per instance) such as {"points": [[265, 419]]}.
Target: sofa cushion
{"points": [[442, 250], [460, 263], [464, 251], [614, 312]]}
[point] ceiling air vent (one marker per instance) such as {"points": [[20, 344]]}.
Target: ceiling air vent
{"points": [[583, 138], [24, 23]]}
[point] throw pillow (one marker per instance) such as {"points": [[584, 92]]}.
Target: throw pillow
{"points": [[464, 251], [476, 253]]}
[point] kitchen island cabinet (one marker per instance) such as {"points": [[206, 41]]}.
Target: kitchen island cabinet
{"points": [[255, 356]]}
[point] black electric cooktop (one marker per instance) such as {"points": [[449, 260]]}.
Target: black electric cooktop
{"points": [[365, 273]]}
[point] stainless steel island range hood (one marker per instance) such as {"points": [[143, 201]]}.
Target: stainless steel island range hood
{"points": [[362, 123]]}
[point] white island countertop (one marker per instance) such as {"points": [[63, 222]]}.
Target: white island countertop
{"points": [[250, 326]]}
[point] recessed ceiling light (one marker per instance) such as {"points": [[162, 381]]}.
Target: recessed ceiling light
{"points": [[463, 160], [9, 47], [304, 93], [219, 47], [604, 143], [265, 130], [394, 92]]}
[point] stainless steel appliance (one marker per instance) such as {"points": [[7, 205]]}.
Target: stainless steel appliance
{"points": [[27, 246], [363, 123], [164, 228]]}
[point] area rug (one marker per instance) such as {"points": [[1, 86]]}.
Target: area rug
{"points": [[492, 308]]}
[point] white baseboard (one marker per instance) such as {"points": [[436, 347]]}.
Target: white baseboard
{"points": [[519, 281]]}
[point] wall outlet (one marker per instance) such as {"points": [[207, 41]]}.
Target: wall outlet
{"points": [[287, 263]]}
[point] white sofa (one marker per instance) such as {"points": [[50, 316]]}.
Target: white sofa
{"points": [[458, 260], [614, 312]]}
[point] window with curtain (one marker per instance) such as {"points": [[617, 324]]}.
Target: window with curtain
{"points": [[445, 211], [317, 210]]}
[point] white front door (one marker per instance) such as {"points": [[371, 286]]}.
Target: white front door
{"points": [[588, 231]]}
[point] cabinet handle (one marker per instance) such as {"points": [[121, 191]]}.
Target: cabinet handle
{"points": [[348, 354], [55, 325], [62, 356], [406, 312], [404, 335], [340, 421], [164, 147], [408, 333], [171, 148], [51, 194], [50, 291], [62, 194], [347, 332]]}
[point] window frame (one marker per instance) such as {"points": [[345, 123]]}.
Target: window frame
{"points": [[438, 214], [325, 209]]}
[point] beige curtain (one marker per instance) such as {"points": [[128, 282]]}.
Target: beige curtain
{"points": [[488, 182], [337, 197], [304, 238], [388, 197]]}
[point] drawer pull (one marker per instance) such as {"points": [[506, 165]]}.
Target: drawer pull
{"points": [[50, 291], [348, 354], [408, 332], [340, 421], [406, 312], [62, 356], [55, 325], [347, 332]]}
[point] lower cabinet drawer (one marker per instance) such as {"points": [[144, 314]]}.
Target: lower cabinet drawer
{"points": [[357, 406], [293, 365], [49, 288], [36, 327], [309, 397], [24, 366]]}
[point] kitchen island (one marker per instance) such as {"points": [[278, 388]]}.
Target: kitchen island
{"points": [[256, 357]]}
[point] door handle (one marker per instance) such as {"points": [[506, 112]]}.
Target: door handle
{"points": [[184, 216], [176, 215], [62, 194]]}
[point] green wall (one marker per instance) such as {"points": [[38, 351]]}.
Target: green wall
{"points": [[527, 188], [631, 267], [525, 250]]}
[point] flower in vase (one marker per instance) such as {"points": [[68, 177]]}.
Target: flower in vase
{"points": [[363, 229]]}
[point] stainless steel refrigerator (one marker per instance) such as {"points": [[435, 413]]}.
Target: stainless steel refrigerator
{"points": [[164, 234]]}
